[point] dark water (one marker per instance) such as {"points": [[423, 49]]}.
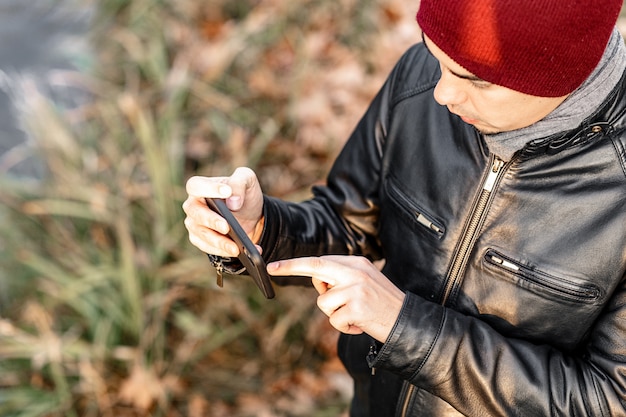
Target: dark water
{"points": [[37, 39]]}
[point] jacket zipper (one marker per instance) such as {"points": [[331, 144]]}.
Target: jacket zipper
{"points": [[408, 394], [562, 287], [462, 254], [470, 234], [416, 213]]}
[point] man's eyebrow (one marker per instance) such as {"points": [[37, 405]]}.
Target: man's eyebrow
{"points": [[470, 77]]}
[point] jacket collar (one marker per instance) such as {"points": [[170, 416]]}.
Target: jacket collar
{"points": [[607, 119]]}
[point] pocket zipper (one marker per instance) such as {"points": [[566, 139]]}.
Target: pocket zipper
{"points": [[415, 212], [585, 292]]}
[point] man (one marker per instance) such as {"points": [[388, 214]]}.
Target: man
{"points": [[490, 174]]}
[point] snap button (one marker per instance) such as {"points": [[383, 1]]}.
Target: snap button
{"points": [[596, 129]]}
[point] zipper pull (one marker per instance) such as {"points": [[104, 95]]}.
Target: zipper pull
{"points": [[219, 273], [493, 174], [218, 264], [423, 220], [371, 357], [504, 263]]}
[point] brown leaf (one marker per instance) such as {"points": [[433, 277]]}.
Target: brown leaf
{"points": [[142, 389]]}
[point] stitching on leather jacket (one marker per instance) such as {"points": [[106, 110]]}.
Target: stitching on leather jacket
{"points": [[444, 318]]}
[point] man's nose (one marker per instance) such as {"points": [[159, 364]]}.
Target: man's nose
{"points": [[449, 90]]}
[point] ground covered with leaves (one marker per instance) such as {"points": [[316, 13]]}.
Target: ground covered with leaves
{"points": [[107, 310]]}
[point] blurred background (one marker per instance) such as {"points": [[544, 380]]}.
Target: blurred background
{"points": [[106, 108]]}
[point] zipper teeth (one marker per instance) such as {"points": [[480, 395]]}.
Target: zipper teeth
{"points": [[465, 246], [407, 400], [468, 237]]}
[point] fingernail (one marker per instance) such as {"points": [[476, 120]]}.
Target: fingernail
{"points": [[234, 202], [273, 266]]}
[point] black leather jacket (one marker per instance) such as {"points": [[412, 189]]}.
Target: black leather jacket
{"points": [[514, 272]]}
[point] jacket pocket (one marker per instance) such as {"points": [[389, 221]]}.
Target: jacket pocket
{"points": [[414, 212], [543, 283]]}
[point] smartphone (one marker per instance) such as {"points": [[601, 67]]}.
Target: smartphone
{"points": [[248, 253]]}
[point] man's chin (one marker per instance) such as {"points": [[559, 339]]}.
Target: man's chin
{"points": [[487, 131]]}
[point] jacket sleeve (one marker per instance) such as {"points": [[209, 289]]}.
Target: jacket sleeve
{"points": [[479, 372]]}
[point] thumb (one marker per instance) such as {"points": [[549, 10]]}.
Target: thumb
{"points": [[201, 187], [242, 181]]}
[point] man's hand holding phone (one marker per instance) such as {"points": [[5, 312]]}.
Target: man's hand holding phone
{"points": [[208, 231], [224, 218]]}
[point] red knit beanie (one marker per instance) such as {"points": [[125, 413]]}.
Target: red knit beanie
{"points": [[544, 48]]}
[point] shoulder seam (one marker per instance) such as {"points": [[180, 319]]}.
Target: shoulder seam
{"points": [[406, 68]]}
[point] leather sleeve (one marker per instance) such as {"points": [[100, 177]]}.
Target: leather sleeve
{"points": [[478, 371]]}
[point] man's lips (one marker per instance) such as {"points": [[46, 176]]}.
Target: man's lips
{"points": [[469, 120], [466, 119]]}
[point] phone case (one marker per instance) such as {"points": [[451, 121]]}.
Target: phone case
{"points": [[248, 253]]}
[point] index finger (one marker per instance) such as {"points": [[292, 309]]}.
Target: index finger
{"points": [[313, 267], [210, 187]]}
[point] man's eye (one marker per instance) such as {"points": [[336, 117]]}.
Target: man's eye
{"points": [[480, 84]]}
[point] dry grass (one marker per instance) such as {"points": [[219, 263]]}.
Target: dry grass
{"points": [[107, 310]]}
